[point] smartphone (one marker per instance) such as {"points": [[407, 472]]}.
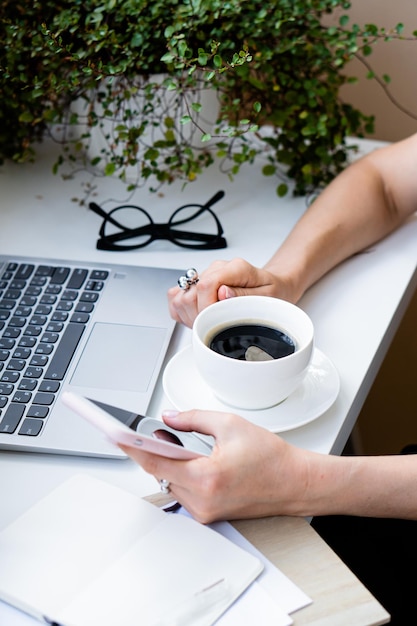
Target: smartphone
{"points": [[151, 435]]}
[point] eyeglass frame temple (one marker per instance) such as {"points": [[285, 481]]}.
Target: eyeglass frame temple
{"points": [[215, 243], [203, 207], [161, 231], [107, 217]]}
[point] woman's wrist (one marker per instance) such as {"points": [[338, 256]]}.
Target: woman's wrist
{"points": [[318, 484], [287, 286], [376, 486]]}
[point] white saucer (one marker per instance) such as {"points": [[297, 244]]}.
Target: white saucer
{"points": [[186, 390]]}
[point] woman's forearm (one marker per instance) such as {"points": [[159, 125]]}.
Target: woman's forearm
{"points": [[361, 206], [374, 486]]}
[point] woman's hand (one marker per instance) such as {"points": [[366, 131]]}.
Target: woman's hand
{"points": [[250, 473], [222, 280], [254, 473]]}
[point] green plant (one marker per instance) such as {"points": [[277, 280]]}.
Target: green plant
{"points": [[71, 68]]}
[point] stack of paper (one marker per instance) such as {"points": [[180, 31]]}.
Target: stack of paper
{"points": [[92, 554]]}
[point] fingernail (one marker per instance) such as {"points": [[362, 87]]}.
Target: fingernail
{"points": [[170, 413], [229, 293]]}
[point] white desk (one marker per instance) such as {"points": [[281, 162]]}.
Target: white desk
{"points": [[356, 309]]}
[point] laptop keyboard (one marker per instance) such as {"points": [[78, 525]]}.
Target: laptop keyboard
{"points": [[44, 311]]}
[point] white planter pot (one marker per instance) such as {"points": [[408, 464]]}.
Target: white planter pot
{"points": [[141, 122]]}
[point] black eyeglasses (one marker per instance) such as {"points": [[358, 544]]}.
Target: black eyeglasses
{"points": [[133, 222]]}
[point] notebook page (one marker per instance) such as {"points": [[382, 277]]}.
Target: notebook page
{"points": [[92, 553]]}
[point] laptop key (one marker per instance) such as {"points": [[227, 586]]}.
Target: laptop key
{"points": [[16, 364], [12, 417], [24, 271], [39, 360], [11, 332], [54, 327], [84, 307], [27, 341], [69, 294], [22, 396], [44, 348], [12, 294], [99, 274], [48, 337], [28, 301], [33, 372], [64, 352], [6, 304], [33, 292], [80, 318], [48, 299], [43, 309], [37, 411], [6, 343], [6, 388], [53, 290], [23, 311], [17, 284], [33, 331], [31, 427], [60, 275], [89, 296], [59, 316], [17, 322], [44, 398], [50, 386], [64, 305], [77, 278], [28, 384], [10, 377], [44, 270], [22, 353]]}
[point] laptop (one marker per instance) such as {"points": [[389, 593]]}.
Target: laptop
{"points": [[100, 330]]}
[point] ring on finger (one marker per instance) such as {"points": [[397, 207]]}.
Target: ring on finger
{"points": [[164, 485], [188, 279]]}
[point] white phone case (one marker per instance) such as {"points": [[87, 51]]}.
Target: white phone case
{"points": [[119, 433]]}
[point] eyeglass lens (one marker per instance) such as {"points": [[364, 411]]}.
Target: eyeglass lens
{"points": [[129, 217]]}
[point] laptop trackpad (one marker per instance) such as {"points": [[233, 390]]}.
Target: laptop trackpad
{"points": [[120, 357]]}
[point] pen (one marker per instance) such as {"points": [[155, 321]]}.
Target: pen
{"points": [[171, 507], [185, 613], [50, 622]]}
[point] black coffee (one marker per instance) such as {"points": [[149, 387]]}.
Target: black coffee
{"points": [[238, 342]]}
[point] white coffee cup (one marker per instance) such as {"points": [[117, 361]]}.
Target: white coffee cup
{"points": [[253, 384]]}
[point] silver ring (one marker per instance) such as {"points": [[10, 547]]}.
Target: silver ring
{"points": [[164, 484], [188, 279]]}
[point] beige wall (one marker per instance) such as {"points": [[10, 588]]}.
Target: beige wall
{"points": [[388, 420], [398, 59]]}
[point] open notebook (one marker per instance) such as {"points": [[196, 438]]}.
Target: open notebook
{"points": [[92, 554], [101, 330]]}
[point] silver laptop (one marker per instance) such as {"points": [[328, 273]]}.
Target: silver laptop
{"points": [[101, 330]]}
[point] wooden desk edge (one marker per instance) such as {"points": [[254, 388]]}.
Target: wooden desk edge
{"points": [[339, 598]]}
